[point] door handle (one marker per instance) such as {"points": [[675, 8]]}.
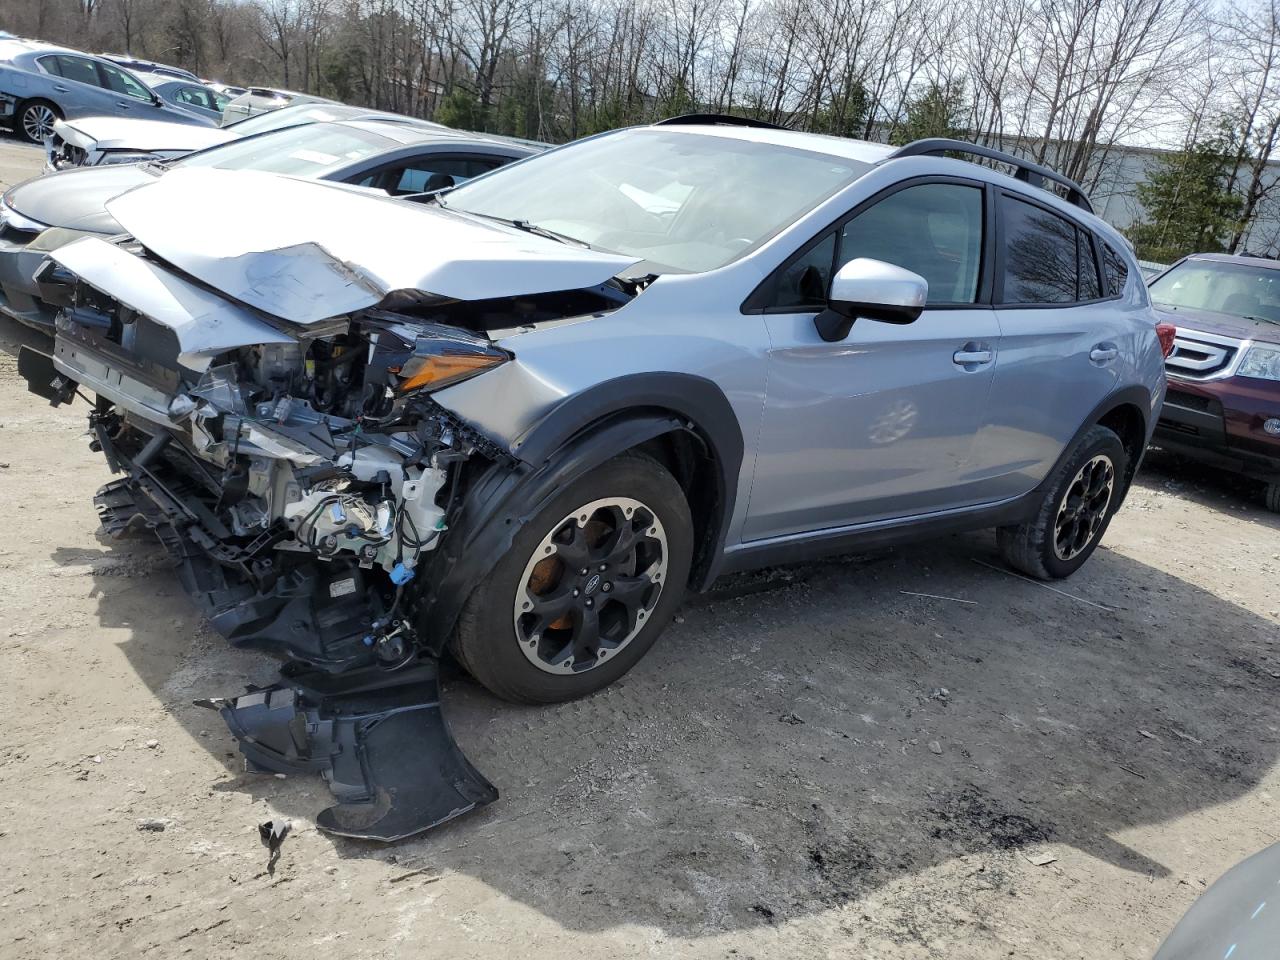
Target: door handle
{"points": [[1103, 352], [972, 357], [60, 88]]}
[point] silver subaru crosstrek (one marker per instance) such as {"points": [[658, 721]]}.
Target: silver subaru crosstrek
{"points": [[521, 417]]}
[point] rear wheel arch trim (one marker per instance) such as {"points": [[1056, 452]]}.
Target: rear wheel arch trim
{"points": [[1134, 397]]}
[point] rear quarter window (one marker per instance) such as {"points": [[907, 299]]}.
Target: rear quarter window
{"points": [[1115, 271]]}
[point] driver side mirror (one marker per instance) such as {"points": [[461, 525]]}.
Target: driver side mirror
{"points": [[874, 290]]}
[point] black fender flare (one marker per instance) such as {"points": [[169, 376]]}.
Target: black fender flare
{"points": [[1134, 395], [578, 435]]}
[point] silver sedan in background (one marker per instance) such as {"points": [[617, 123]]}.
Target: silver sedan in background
{"points": [[41, 84]]}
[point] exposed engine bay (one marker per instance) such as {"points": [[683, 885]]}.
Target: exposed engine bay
{"points": [[299, 484]]}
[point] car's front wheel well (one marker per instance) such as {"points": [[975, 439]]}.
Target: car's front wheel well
{"points": [[1127, 422], [690, 459]]}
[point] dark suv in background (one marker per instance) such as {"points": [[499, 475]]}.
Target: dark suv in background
{"points": [[1223, 403]]}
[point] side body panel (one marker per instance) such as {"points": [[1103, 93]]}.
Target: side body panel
{"points": [[1055, 367], [880, 424]]}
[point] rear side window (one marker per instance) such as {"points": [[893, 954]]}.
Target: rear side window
{"points": [[78, 69], [1047, 258], [1115, 271]]}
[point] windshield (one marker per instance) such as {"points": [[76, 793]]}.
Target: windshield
{"points": [[1236, 289], [289, 117], [312, 150], [682, 202]]}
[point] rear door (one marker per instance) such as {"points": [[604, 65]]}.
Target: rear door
{"points": [[1061, 338], [80, 88], [880, 425]]}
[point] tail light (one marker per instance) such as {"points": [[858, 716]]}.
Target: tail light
{"points": [[1166, 332]]}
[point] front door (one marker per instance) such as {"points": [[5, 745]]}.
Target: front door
{"points": [[882, 424]]}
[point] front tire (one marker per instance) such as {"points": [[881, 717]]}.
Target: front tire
{"points": [[585, 590], [1082, 497], [36, 120]]}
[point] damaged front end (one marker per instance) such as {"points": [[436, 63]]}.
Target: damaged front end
{"points": [[299, 475]]}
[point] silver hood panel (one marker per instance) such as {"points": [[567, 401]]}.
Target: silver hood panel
{"points": [[307, 251], [127, 133], [204, 323]]}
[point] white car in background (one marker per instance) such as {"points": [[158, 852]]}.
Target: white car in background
{"points": [[100, 141]]}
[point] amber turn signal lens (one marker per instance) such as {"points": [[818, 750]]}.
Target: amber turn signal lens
{"points": [[441, 369]]}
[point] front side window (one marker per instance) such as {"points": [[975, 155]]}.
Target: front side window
{"points": [[933, 229], [1043, 256], [429, 173], [680, 201], [313, 150], [195, 97], [78, 69], [1235, 289], [118, 81], [803, 283]]}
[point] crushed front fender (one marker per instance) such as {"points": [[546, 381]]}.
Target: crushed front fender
{"points": [[378, 738]]}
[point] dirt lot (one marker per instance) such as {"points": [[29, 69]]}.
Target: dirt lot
{"points": [[813, 763]]}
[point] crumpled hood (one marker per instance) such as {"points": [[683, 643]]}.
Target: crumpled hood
{"points": [[121, 133], [77, 198], [307, 251], [1223, 324]]}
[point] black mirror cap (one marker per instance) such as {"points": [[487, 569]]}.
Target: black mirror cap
{"points": [[835, 322]]}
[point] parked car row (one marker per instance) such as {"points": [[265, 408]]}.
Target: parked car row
{"points": [[396, 156], [382, 392], [41, 84]]}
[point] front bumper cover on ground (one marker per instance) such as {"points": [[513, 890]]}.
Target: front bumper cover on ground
{"points": [[378, 738]]}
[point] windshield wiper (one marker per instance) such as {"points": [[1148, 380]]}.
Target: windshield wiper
{"points": [[1261, 319], [527, 227]]}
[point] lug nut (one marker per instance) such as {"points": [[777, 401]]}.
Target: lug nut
{"points": [[582, 572], [604, 567], [590, 602], [607, 587], [576, 591]]}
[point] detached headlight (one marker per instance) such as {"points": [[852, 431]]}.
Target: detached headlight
{"points": [[10, 217], [125, 156], [444, 359], [1261, 362]]}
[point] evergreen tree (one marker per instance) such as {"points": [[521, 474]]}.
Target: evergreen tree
{"points": [[937, 112], [1187, 201]]}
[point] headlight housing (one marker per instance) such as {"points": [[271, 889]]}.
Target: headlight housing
{"points": [[445, 357], [112, 157], [1262, 362]]}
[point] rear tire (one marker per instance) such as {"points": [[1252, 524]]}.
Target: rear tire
{"points": [[1271, 497], [586, 588], [35, 120], [1082, 496]]}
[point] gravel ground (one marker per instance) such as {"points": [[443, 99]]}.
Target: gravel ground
{"points": [[812, 763]]}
